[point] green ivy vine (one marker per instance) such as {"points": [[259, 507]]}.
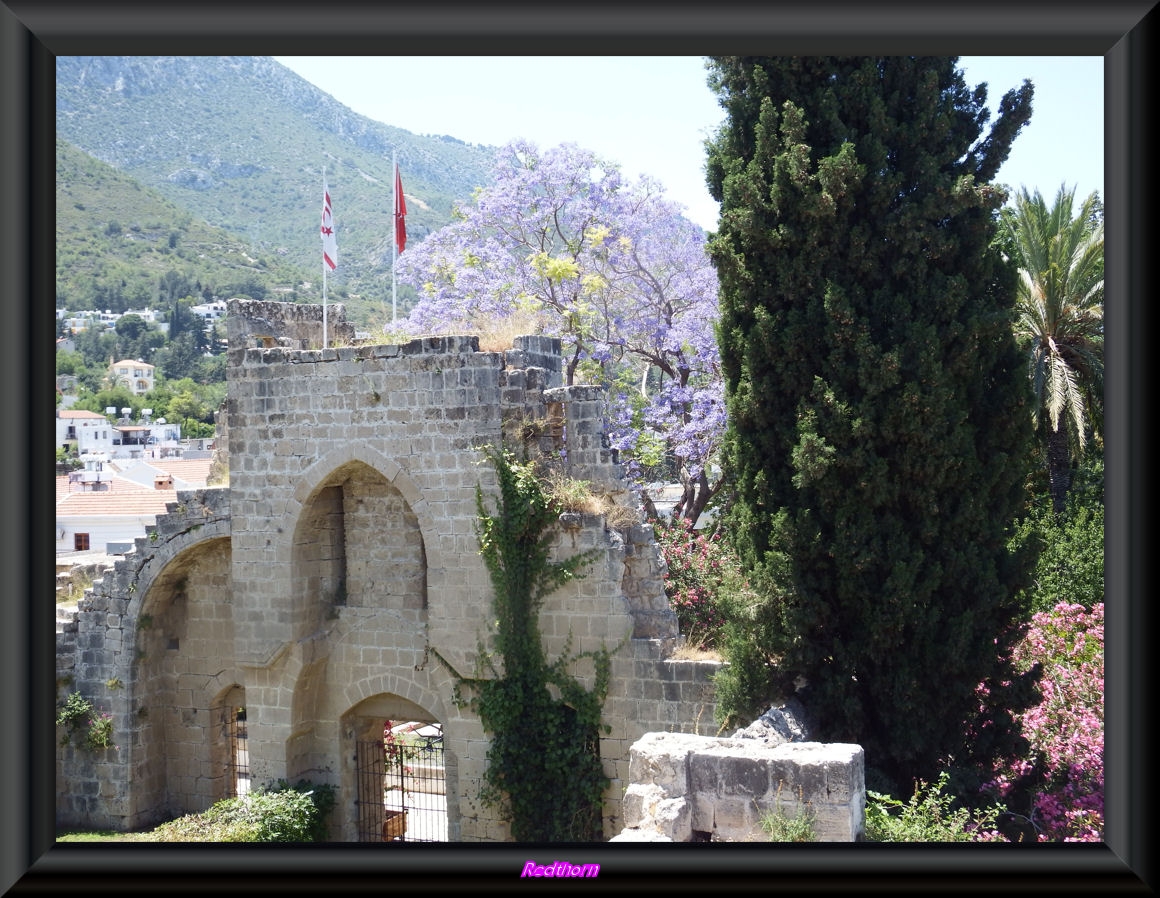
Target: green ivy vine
{"points": [[544, 772]]}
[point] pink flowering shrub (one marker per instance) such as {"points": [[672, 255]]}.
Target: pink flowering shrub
{"points": [[700, 566], [1059, 785]]}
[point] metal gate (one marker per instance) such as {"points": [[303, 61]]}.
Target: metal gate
{"points": [[239, 751], [401, 785]]}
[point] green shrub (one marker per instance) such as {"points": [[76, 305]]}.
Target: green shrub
{"points": [[929, 816], [784, 827], [323, 795], [283, 814], [1070, 568]]}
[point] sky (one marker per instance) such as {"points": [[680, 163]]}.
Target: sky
{"points": [[652, 114]]}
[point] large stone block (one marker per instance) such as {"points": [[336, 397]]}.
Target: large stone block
{"points": [[730, 784]]}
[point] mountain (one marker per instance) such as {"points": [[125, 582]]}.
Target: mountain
{"points": [[122, 246], [241, 143]]}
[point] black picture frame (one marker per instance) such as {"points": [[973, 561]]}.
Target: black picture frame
{"points": [[32, 33]]}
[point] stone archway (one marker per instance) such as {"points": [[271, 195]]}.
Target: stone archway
{"points": [[357, 543], [183, 676], [398, 787]]}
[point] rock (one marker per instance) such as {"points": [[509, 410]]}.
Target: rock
{"points": [[783, 723]]}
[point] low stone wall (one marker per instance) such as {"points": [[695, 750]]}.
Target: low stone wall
{"points": [[687, 788], [251, 323]]}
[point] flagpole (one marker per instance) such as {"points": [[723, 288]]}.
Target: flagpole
{"points": [[324, 327], [394, 235]]}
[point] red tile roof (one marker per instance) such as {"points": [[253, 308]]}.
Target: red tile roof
{"points": [[115, 502], [115, 483], [194, 471]]}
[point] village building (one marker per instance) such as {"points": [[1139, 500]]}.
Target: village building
{"points": [[108, 504], [134, 374]]}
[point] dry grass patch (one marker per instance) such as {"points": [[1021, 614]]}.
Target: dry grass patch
{"points": [[690, 652], [577, 496]]}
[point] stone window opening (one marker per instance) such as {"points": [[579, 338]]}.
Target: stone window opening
{"points": [[239, 758]]}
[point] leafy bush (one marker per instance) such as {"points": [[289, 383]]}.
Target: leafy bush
{"points": [[323, 795], [929, 816], [701, 569], [1071, 564], [785, 827], [1059, 785], [282, 814]]}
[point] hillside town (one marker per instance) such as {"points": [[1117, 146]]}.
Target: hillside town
{"points": [[124, 466], [129, 471]]}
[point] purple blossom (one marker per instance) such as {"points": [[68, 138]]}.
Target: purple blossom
{"points": [[611, 267]]}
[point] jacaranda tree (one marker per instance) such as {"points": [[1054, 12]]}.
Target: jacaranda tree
{"points": [[879, 434], [563, 243]]}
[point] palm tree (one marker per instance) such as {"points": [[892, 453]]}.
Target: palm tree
{"points": [[1060, 321]]}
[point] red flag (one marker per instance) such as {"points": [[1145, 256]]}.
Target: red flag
{"points": [[400, 214], [329, 241]]}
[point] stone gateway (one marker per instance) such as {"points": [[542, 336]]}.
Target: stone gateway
{"points": [[300, 605]]}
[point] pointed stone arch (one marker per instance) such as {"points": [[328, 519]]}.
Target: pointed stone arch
{"points": [[358, 540], [368, 705], [183, 648]]}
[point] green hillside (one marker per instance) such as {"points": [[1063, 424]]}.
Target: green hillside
{"points": [[121, 246], [241, 143]]}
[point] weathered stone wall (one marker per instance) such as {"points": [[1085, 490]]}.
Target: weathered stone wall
{"points": [[286, 324], [693, 788], [150, 644], [319, 586]]}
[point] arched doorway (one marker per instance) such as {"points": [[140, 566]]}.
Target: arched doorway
{"points": [[398, 774], [185, 682], [403, 784]]}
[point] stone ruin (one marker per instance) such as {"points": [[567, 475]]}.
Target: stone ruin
{"points": [[695, 788], [314, 584], [312, 589]]}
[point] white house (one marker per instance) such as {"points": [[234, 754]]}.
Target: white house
{"points": [[149, 315], [134, 374], [209, 312], [104, 509], [107, 521], [88, 431], [146, 439], [80, 321], [91, 432]]}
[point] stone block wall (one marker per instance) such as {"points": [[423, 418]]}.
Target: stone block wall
{"points": [[251, 323], [693, 788], [321, 587], [150, 644]]}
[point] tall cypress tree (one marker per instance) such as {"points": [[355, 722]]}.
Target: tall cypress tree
{"points": [[879, 428]]}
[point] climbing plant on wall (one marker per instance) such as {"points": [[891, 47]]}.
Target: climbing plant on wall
{"points": [[544, 772]]}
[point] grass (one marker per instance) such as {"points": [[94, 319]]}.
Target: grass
{"points": [[102, 835], [690, 652], [572, 495], [80, 581]]}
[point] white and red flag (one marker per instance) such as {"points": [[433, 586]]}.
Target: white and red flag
{"points": [[329, 241], [400, 213]]}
